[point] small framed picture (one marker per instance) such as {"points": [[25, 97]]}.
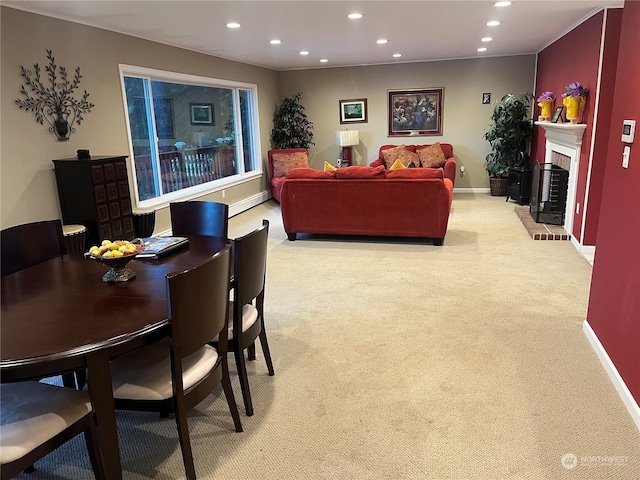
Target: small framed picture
{"points": [[353, 111], [486, 98], [557, 115], [202, 114]]}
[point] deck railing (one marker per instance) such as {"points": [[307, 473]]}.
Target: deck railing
{"points": [[178, 170]]}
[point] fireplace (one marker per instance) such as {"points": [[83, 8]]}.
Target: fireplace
{"points": [[563, 145], [549, 193]]}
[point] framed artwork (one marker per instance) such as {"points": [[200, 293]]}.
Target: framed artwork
{"points": [[202, 114], [415, 112], [353, 111], [557, 115]]}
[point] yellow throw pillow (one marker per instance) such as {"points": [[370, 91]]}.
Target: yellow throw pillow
{"points": [[397, 165], [328, 167]]}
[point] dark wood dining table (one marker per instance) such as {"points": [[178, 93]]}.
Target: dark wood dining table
{"points": [[59, 316]]}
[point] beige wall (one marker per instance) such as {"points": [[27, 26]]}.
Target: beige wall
{"points": [[28, 190], [465, 118]]}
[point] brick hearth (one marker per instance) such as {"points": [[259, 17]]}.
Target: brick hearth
{"points": [[539, 231]]}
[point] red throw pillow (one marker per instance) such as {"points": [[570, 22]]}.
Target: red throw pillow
{"points": [[309, 173], [360, 171], [416, 173]]}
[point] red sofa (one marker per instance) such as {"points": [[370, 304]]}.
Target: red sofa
{"points": [[366, 200], [449, 166]]}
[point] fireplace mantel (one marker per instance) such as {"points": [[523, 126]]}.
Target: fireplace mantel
{"points": [[568, 134]]}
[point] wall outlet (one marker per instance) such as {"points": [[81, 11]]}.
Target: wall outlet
{"points": [[625, 157]]}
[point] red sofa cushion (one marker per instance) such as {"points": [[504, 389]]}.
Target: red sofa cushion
{"points": [[360, 171], [310, 173], [415, 173]]}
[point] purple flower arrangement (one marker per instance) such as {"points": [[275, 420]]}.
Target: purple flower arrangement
{"points": [[575, 89], [547, 96]]}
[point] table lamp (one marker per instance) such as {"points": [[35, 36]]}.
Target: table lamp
{"points": [[346, 139]]}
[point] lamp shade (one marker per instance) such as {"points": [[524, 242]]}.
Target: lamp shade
{"points": [[347, 138]]}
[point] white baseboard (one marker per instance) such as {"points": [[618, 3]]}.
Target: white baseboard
{"points": [[583, 249], [612, 371], [248, 203], [470, 190]]}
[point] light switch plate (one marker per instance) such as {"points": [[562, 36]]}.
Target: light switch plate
{"points": [[628, 130]]}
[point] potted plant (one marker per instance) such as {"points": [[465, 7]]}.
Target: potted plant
{"points": [[508, 134], [291, 127]]}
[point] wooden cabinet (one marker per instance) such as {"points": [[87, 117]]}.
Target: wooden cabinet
{"points": [[95, 193]]}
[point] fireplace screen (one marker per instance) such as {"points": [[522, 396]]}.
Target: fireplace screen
{"points": [[548, 193]]}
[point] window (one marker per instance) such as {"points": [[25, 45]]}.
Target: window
{"points": [[188, 134]]}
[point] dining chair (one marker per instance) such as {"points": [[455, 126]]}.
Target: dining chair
{"points": [[246, 311], [25, 245], [178, 372], [31, 243], [37, 418], [200, 218]]}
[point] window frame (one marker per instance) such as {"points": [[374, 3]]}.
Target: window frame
{"points": [[196, 80]]}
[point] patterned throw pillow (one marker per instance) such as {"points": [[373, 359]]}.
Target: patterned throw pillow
{"points": [[407, 157], [390, 155], [283, 162], [328, 167], [432, 156]]}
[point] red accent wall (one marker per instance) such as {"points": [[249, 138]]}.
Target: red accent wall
{"points": [[575, 58], [614, 302]]}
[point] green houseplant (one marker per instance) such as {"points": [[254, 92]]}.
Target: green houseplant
{"points": [[508, 134], [291, 127]]}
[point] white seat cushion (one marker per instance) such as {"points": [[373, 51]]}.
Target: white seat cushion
{"points": [[249, 317], [145, 374], [34, 412]]}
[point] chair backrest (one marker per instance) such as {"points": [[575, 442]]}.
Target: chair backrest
{"points": [[25, 245], [200, 218], [250, 265], [198, 304]]}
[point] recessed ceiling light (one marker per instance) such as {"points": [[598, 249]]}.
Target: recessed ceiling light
{"points": [[493, 23], [354, 16], [397, 55], [382, 41], [304, 52], [482, 49], [233, 25], [502, 4], [275, 41], [486, 39], [323, 60]]}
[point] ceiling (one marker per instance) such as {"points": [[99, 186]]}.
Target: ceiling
{"points": [[421, 30]]}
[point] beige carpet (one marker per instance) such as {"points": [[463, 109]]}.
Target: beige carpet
{"points": [[396, 359]]}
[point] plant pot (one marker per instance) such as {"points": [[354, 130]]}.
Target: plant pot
{"points": [[498, 186]]}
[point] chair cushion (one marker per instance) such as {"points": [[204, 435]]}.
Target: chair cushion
{"points": [[34, 412], [283, 162], [249, 317], [145, 374]]}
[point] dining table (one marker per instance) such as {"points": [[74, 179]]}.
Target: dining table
{"points": [[59, 316]]}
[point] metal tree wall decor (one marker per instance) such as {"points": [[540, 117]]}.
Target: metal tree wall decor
{"points": [[54, 105]]}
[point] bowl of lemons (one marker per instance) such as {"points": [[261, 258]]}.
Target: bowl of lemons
{"points": [[116, 255]]}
